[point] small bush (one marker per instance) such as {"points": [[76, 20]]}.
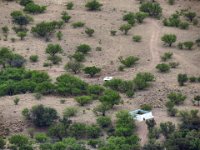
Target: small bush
{"points": [[34, 8], [113, 32], [2, 143], [129, 61], [33, 58], [173, 64], [104, 121], [70, 5], [83, 48], [184, 25], [137, 38], [188, 45], [169, 39], [180, 45], [70, 112], [89, 32], [146, 107], [78, 56], [93, 5], [193, 79], [92, 71], [176, 98], [125, 28], [78, 24], [59, 35], [65, 17], [82, 100], [41, 137], [166, 56], [182, 78], [163, 67], [16, 101]]}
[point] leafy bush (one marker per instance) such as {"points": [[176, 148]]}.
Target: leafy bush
{"points": [[44, 29], [95, 90], [25, 2], [188, 45], [41, 137], [89, 32], [137, 38], [78, 56], [169, 39], [70, 5], [140, 16], [163, 67], [34, 8], [152, 8], [78, 130], [2, 143], [19, 140], [166, 56], [125, 28], [16, 101], [19, 18], [182, 78], [129, 61], [184, 25], [173, 21], [42, 116], [93, 5], [65, 17], [73, 66], [190, 15], [83, 48], [82, 100], [104, 121], [70, 112], [93, 131], [59, 35], [92, 71], [174, 64], [33, 58], [110, 98], [176, 98], [167, 128], [68, 85], [78, 24], [130, 18], [193, 79], [146, 107]]}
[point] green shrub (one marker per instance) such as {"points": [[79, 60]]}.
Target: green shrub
{"points": [[146, 107], [25, 2], [171, 2], [193, 79], [95, 90], [82, 100], [137, 38], [130, 18], [93, 5], [65, 17], [42, 116], [173, 64], [78, 130], [190, 15], [125, 28], [33, 58], [104, 121], [68, 85], [176, 98], [180, 45], [93, 131], [59, 35], [70, 5], [2, 143], [140, 16], [182, 78], [78, 56], [89, 32], [41, 137], [169, 39], [83, 48], [73, 66], [166, 56], [16, 101], [129, 61], [70, 112], [78, 24], [152, 8], [34, 8], [19, 140], [188, 45], [163, 67], [92, 71], [113, 32], [184, 25]]}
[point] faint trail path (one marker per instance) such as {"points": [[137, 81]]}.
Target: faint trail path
{"points": [[153, 45], [142, 132]]}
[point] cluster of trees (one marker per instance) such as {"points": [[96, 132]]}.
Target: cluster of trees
{"points": [[152, 8], [140, 82], [10, 59], [185, 45]]}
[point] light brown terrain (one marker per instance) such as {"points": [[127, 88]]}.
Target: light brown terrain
{"points": [[148, 50]]}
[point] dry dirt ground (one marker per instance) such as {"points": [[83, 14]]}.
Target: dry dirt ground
{"points": [[148, 50]]}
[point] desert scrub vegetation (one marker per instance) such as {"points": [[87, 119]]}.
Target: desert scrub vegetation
{"points": [[65, 17], [169, 39], [163, 67], [34, 8], [152, 8], [129, 61], [78, 24], [182, 79], [52, 50], [10, 59], [74, 66], [166, 56], [93, 5], [188, 45], [69, 5], [89, 32], [125, 28], [92, 71], [137, 38]]}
